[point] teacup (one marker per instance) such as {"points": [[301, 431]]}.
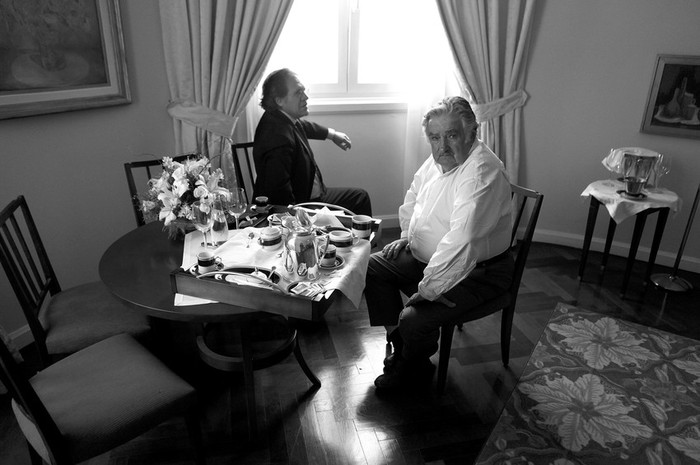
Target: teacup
{"points": [[208, 262], [328, 259], [341, 238], [261, 201], [270, 237], [362, 226]]}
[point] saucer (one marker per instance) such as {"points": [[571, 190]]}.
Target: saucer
{"points": [[339, 261], [193, 270], [622, 193]]}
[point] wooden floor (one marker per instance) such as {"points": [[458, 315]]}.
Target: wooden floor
{"points": [[345, 422]]}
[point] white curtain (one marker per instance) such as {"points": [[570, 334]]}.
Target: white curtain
{"points": [[490, 42], [426, 84], [215, 54]]}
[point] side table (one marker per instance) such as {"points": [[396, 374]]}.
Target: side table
{"points": [[620, 207]]}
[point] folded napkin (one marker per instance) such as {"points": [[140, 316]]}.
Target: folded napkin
{"points": [[325, 217]]}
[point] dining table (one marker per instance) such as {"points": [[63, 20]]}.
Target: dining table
{"points": [[146, 268]]}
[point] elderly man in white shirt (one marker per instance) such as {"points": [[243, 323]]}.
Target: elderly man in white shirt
{"points": [[453, 251]]}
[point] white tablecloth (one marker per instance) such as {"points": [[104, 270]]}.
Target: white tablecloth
{"points": [[349, 279], [621, 207]]}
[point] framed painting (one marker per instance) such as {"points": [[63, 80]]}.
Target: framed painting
{"points": [[60, 56], [672, 108]]}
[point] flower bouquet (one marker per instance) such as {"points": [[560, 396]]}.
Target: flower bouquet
{"points": [[170, 196]]}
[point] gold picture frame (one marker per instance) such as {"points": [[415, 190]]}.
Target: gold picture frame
{"points": [[61, 56], [672, 104]]}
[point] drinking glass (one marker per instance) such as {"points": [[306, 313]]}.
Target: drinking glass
{"points": [[203, 218], [236, 203]]}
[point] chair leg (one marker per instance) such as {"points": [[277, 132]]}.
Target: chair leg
{"points": [[249, 384], [195, 432], [446, 332], [506, 331], [304, 366]]}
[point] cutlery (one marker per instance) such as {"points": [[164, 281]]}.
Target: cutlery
{"points": [[251, 235]]}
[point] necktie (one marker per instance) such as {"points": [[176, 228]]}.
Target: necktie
{"points": [[305, 141]]}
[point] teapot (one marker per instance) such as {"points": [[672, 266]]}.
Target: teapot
{"points": [[304, 252]]}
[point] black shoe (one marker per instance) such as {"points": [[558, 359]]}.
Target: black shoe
{"points": [[394, 338], [405, 375]]}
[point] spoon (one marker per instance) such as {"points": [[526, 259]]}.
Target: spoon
{"points": [[272, 270], [251, 235]]}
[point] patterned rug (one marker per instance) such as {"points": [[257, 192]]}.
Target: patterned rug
{"points": [[599, 390]]}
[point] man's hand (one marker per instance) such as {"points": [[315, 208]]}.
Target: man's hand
{"points": [[342, 140], [392, 250]]}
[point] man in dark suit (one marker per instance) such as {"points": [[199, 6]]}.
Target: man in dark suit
{"points": [[287, 172]]}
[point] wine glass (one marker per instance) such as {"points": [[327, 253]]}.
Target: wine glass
{"points": [[203, 218], [236, 203]]}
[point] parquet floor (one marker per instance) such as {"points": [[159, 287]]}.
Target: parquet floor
{"points": [[345, 422]]}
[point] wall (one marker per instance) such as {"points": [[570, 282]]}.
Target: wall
{"points": [[589, 74], [69, 165], [590, 70]]}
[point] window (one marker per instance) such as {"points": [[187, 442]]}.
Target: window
{"points": [[361, 48]]}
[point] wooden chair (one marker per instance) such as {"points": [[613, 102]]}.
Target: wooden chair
{"points": [[138, 174], [95, 400], [244, 167], [506, 302], [61, 321]]}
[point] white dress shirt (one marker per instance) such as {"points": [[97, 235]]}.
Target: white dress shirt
{"points": [[457, 219]]}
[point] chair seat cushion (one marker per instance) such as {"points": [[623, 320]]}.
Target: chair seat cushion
{"points": [[110, 393], [83, 315]]}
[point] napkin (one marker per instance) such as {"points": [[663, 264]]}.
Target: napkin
{"points": [[324, 216]]}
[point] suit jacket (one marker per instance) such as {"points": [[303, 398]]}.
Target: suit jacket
{"points": [[284, 163]]}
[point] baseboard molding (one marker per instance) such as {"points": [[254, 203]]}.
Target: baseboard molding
{"points": [[664, 258], [22, 336]]}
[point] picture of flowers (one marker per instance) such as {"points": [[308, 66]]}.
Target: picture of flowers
{"points": [[672, 106]]}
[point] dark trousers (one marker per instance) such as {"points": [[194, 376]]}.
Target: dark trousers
{"points": [[419, 325], [352, 198]]}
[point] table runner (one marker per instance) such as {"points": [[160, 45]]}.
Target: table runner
{"points": [[621, 208], [602, 390], [349, 279]]}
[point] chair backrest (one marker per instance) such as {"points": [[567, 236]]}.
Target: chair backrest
{"points": [[138, 173], [527, 204], [38, 425], [244, 167], [27, 265]]}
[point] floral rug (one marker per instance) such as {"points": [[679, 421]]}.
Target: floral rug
{"points": [[598, 390]]}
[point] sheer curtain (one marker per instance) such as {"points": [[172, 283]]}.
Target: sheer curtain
{"points": [[431, 79], [490, 42], [215, 54]]}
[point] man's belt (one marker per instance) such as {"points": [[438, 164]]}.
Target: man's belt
{"points": [[492, 260]]}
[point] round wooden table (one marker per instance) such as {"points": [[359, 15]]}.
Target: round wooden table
{"points": [[137, 268]]}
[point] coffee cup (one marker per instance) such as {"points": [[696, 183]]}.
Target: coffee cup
{"points": [[208, 262], [362, 226], [261, 201], [270, 237], [341, 238], [328, 259]]}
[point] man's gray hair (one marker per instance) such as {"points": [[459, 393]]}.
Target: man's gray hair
{"points": [[274, 87], [453, 105]]}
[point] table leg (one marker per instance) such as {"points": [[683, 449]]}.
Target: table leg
{"points": [[590, 225], [636, 237], [608, 242], [248, 382], [658, 232], [305, 367]]}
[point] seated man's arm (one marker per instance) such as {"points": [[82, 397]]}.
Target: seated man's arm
{"points": [[481, 207]]}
